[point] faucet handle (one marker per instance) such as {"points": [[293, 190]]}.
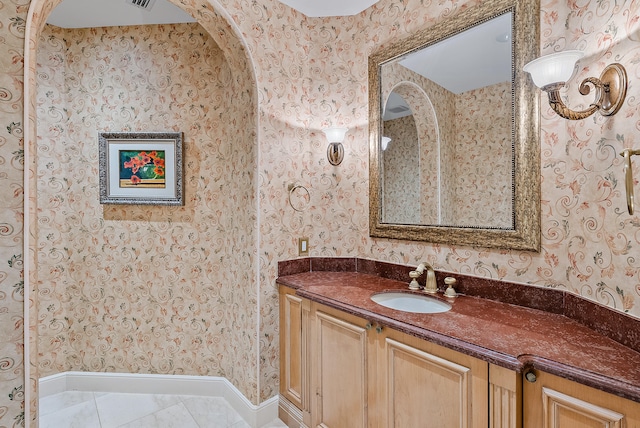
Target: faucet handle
{"points": [[450, 282], [414, 275]]}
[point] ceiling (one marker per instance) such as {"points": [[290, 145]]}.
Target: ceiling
{"points": [[481, 52], [107, 13], [315, 8], [478, 57]]}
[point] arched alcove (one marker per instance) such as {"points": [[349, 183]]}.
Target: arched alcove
{"points": [[233, 235], [411, 174]]}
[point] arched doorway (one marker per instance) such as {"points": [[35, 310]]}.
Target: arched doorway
{"points": [[221, 29], [411, 173]]}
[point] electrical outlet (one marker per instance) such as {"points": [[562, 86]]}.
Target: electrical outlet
{"points": [[303, 246]]}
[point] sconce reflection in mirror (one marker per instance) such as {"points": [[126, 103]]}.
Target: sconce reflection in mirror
{"points": [[335, 151], [551, 72], [628, 176]]}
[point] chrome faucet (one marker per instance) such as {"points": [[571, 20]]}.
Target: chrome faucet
{"points": [[431, 286]]}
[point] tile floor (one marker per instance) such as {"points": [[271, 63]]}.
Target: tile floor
{"points": [[81, 409]]}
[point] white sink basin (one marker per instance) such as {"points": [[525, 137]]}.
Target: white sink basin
{"points": [[411, 302]]}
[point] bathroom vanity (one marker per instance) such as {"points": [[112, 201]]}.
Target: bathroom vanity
{"points": [[347, 361], [365, 373]]}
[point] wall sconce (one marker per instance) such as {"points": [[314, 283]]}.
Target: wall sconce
{"points": [[551, 72], [384, 143], [335, 151]]}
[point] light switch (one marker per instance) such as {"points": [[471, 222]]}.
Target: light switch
{"points": [[303, 246]]}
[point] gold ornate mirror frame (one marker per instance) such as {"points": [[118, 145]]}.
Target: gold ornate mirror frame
{"points": [[525, 233]]}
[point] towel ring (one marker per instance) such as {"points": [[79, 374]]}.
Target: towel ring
{"points": [[305, 195], [628, 177]]}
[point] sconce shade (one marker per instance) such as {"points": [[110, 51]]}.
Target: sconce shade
{"points": [[335, 135], [554, 68], [384, 142]]}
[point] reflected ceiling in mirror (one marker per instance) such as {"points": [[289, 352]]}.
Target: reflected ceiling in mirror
{"points": [[478, 57], [460, 124]]}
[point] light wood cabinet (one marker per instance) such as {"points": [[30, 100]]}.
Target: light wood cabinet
{"points": [[294, 359], [340, 370], [505, 398], [420, 384], [555, 402], [366, 375]]}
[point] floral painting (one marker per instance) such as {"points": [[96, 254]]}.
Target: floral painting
{"points": [[140, 168]]}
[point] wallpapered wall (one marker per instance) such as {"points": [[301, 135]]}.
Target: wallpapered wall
{"points": [[401, 193], [482, 157], [311, 73], [433, 109], [589, 242], [136, 288], [474, 159]]}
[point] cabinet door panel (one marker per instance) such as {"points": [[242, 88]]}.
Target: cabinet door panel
{"points": [[340, 373], [564, 411], [554, 402], [291, 352], [425, 390], [294, 407], [505, 398], [426, 385]]}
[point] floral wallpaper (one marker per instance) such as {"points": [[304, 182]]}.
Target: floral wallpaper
{"points": [[483, 162], [466, 169], [401, 192], [12, 368], [305, 74], [589, 242], [433, 109], [138, 288]]}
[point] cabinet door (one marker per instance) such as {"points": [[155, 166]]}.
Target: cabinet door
{"points": [[340, 373], [426, 385], [292, 349], [554, 402], [505, 398], [294, 373]]}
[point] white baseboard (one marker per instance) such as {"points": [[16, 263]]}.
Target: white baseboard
{"points": [[255, 416]]}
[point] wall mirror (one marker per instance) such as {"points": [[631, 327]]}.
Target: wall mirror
{"points": [[454, 131]]}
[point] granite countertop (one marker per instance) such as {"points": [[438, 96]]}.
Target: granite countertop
{"points": [[512, 336]]}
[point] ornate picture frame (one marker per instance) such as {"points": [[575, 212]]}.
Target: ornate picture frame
{"points": [[141, 168]]}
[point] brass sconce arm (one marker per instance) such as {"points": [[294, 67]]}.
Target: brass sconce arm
{"points": [[628, 176], [610, 92], [556, 103], [550, 72]]}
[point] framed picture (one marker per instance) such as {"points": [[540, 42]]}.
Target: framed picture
{"points": [[142, 168]]}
